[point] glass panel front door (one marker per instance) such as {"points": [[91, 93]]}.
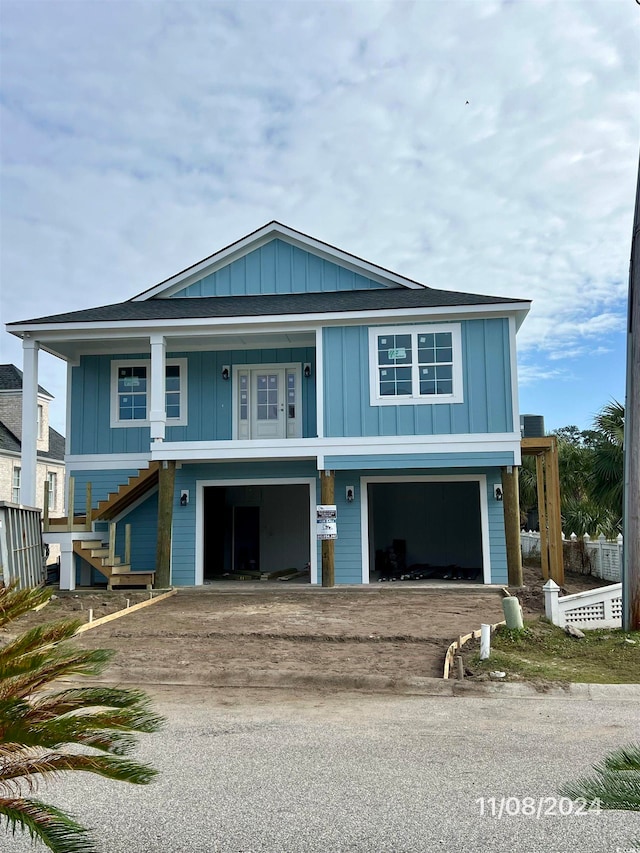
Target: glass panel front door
{"points": [[268, 415]]}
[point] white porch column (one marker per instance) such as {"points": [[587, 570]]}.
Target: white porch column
{"points": [[157, 409], [29, 436], [67, 564]]}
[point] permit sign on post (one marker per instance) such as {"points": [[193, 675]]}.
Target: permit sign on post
{"points": [[326, 521]]}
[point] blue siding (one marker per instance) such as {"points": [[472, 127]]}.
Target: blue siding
{"points": [[102, 484], [402, 461], [144, 534], [278, 267], [487, 405], [209, 397]]}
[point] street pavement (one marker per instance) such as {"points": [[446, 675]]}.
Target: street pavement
{"points": [[270, 771]]}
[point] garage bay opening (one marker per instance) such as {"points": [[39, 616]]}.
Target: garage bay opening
{"points": [[425, 530], [257, 532]]}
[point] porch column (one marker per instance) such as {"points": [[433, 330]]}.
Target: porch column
{"points": [[166, 488], [511, 506], [67, 564], [327, 496], [157, 408], [29, 437]]}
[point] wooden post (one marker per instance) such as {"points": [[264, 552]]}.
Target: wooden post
{"points": [[127, 544], [542, 517], [88, 509], [166, 488], [70, 503], [327, 496], [554, 518], [112, 543], [511, 506]]}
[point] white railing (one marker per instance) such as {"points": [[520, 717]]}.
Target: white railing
{"points": [[596, 608], [604, 555]]}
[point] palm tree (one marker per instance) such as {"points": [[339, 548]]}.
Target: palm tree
{"points": [[37, 727], [616, 784], [607, 485]]}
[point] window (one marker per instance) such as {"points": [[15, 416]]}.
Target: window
{"points": [[15, 485], [131, 391], [40, 422], [415, 364], [52, 480]]}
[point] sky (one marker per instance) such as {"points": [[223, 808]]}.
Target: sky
{"points": [[486, 147]]}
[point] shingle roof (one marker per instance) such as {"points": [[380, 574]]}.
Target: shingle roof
{"points": [[11, 380], [11, 443], [179, 308]]}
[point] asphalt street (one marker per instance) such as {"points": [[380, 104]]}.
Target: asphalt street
{"points": [[263, 771]]}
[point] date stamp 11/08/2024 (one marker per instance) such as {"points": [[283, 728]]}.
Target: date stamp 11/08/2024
{"points": [[536, 807]]}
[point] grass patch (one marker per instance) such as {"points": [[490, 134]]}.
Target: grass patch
{"points": [[543, 652]]}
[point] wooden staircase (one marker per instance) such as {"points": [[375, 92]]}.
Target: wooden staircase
{"points": [[102, 557]]}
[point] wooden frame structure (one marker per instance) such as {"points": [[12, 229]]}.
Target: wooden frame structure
{"points": [[545, 450]]}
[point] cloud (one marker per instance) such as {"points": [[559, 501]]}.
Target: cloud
{"points": [[138, 138]]}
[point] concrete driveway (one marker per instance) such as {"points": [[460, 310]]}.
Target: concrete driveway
{"points": [[269, 772]]}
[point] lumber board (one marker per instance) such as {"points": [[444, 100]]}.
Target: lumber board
{"points": [[111, 616]]}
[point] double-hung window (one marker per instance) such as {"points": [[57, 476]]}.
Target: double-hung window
{"points": [[15, 484], [131, 392], [415, 364]]}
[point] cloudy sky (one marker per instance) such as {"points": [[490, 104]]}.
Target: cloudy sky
{"points": [[481, 146]]}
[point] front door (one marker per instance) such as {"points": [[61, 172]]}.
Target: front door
{"points": [[268, 418]]}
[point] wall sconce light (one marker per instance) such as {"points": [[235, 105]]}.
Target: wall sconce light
{"points": [[184, 497], [226, 372], [307, 370], [351, 494], [497, 492]]}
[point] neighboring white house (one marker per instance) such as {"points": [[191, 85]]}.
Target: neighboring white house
{"points": [[50, 444]]}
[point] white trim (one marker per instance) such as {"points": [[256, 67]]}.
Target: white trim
{"points": [[319, 381], [67, 440], [264, 235], [188, 325], [481, 479], [255, 481], [513, 358], [457, 395], [107, 461], [311, 448], [146, 362], [29, 438]]}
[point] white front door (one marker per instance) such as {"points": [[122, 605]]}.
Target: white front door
{"points": [[268, 418]]}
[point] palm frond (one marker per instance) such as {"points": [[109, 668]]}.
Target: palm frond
{"points": [[14, 602], [117, 769], [46, 823]]}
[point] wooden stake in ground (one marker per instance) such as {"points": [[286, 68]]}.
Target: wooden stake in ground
{"points": [[327, 496], [166, 488], [511, 505]]}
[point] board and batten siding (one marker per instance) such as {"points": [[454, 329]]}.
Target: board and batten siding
{"points": [[277, 267], [209, 399], [103, 483], [487, 406]]}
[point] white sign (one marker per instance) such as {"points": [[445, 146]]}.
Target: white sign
{"points": [[326, 518]]}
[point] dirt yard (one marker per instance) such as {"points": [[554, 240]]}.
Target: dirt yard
{"points": [[391, 629]]}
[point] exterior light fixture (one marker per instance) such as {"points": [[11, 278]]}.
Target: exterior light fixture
{"points": [[307, 370], [226, 371]]}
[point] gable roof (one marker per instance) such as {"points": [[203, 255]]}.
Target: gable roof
{"points": [[274, 230], [272, 305], [10, 443], [11, 380]]}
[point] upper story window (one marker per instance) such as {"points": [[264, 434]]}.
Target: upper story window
{"points": [[131, 392], [415, 364], [15, 484], [40, 422], [52, 481]]}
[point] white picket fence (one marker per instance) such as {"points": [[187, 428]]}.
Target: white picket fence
{"points": [[605, 555], [595, 608]]}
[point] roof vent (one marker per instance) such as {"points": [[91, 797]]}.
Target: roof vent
{"points": [[532, 426]]}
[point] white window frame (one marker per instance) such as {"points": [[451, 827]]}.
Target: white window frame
{"points": [[415, 398], [52, 491], [145, 362], [40, 421], [16, 484]]}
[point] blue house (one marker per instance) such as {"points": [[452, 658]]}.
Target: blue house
{"points": [[275, 359]]}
